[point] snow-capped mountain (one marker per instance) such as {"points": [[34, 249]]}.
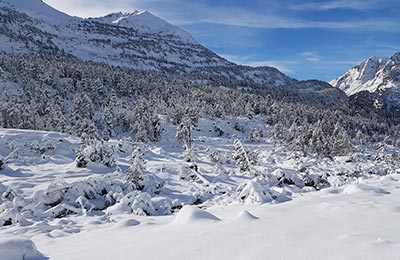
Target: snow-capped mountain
{"points": [[375, 74], [146, 23], [137, 40]]}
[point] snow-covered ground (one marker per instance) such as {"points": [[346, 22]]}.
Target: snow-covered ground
{"points": [[357, 221], [352, 212]]}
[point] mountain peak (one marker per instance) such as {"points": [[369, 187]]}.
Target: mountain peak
{"points": [[145, 22], [373, 74]]}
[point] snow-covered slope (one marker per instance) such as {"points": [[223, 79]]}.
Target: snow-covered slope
{"points": [[373, 75], [137, 40], [146, 23], [39, 10]]}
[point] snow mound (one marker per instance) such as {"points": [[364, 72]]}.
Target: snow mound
{"points": [[192, 214], [129, 223], [359, 188], [20, 248], [244, 215]]}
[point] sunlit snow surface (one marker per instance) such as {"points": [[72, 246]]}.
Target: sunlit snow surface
{"points": [[354, 219]]}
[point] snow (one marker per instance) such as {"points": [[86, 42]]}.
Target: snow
{"points": [[145, 22], [190, 215], [359, 187], [245, 216], [283, 206], [40, 10], [321, 225], [225, 214], [136, 40], [374, 74], [17, 249]]}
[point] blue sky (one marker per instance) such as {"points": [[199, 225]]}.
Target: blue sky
{"points": [[304, 39]]}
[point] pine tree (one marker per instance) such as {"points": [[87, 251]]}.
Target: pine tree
{"points": [[108, 126], [137, 168], [184, 134], [241, 157]]}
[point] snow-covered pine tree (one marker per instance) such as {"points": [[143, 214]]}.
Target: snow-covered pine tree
{"points": [[241, 157], [146, 126], [82, 112], [137, 168], [341, 142], [184, 134], [108, 126]]}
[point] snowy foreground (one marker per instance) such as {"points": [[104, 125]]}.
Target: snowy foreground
{"points": [[355, 216], [357, 221]]}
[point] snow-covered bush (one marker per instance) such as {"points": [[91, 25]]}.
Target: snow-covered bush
{"points": [[287, 178], [214, 155], [162, 206], [254, 192], [60, 199], [42, 147], [316, 181], [97, 151], [10, 203], [135, 202], [139, 177], [208, 192]]}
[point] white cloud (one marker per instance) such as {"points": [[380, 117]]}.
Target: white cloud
{"points": [[313, 59], [341, 4], [282, 65], [311, 56]]}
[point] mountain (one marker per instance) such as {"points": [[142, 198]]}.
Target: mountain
{"points": [[145, 23], [137, 40], [374, 84], [375, 74]]}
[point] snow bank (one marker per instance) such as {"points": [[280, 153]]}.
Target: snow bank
{"points": [[18, 249], [359, 187], [244, 215], [192, 214], [128, 223]]}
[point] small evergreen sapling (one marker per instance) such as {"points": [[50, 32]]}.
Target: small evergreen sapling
{"points": [[137, 168], [241, 157]]}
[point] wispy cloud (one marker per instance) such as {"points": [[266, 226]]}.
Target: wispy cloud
{"points": [[341, 4], [255, 20], [311, 56], [282, 65], [191, 13]]}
